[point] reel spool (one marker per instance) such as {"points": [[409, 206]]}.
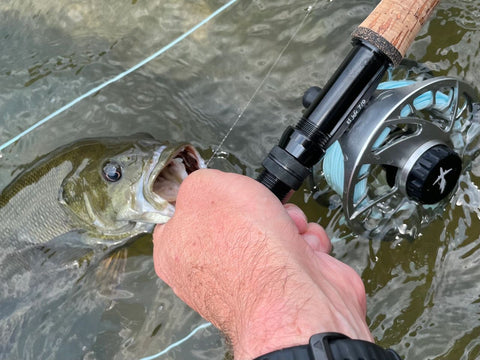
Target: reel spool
{"points": [[399, 163]]}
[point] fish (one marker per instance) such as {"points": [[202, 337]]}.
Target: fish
{"points": [[111, 189], [67, 213]]}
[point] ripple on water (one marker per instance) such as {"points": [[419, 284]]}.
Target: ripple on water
{"points": [[422, 295]]}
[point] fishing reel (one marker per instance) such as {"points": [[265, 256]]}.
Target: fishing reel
{"points": [[398, 164]]}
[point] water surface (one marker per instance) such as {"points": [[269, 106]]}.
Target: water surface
{"points": [[423, 296]]}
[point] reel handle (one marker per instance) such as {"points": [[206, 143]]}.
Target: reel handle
{"points": [[393, 25], [381, 40]]}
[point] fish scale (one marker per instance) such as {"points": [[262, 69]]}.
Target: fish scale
{"points": [[34, 214]]}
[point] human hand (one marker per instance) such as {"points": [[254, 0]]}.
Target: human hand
{"points": [[255, 268]]}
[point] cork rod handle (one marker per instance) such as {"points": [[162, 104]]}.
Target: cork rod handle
{"points": [[394, 24]]}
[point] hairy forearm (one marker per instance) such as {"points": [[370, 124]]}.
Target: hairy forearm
{"points": [[254, 268]]}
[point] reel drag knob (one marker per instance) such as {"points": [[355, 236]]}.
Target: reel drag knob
{"points": [[433, 175]]}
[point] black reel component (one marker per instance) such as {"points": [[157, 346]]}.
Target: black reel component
{"points": [[330, 112], [400, 162], [434, 175]]}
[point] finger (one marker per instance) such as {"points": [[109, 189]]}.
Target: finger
{"points": [[317, 238], [157, 232], [157, 251], [298, 217]]}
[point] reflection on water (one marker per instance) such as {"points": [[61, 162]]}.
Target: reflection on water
{"points": [[422, 295]]}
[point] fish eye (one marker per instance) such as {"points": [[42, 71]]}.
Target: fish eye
{"points": [[112, 171]]}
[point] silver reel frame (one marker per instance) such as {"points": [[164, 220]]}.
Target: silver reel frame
{"points": [[412, 130]]}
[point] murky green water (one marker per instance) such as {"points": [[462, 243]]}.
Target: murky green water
{"points": [[423, 295]]}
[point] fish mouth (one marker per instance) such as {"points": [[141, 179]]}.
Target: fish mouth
{"points": [[167, 179]]}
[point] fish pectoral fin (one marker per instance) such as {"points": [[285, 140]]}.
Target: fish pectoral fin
{"points": [[109, 270]]}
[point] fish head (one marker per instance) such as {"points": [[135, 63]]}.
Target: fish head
{"points": [[124, 186]]}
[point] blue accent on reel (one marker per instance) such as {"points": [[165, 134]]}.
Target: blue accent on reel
{"points": [[333, 161]]}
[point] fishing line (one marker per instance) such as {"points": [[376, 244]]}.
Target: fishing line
{"points": [[308, 12], [179, 342], [136, 67], [118, 77]]}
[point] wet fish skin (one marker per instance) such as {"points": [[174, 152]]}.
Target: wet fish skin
{"points": [[67, 190]]}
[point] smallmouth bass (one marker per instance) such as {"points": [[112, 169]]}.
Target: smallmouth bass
{"points": [[109, 188]]}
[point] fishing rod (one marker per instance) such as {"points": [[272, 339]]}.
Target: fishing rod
{"points": [[393, 151], [379, 42]]}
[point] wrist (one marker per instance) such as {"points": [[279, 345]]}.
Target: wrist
{"points": [[332, 346], [290, 320], [268, 329]]}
